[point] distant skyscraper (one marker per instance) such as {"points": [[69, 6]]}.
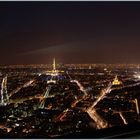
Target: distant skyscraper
{"points": [[4, 94]]}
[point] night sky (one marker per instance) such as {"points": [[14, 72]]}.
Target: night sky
{"points": [[73, 32]]}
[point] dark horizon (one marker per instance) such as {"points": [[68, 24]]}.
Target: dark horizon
{"points": [[73, 32]]}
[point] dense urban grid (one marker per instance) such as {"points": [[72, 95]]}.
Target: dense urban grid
{"points": [[49, 101]]}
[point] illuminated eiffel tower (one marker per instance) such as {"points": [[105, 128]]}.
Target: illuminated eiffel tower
{"points": [[54, 66], [54, 73]]}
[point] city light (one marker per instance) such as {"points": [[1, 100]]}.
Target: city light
{"points": [[58, 102], [137, 76], [69, 70]]}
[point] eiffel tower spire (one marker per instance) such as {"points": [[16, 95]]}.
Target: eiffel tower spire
{"points": [[54, 65]]}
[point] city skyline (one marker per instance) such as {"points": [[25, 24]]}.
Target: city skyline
{"points": [[69, 69], [73, 32], [75, 101]]}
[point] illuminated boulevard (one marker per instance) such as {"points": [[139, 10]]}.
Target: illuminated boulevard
{"points": [[101, 123]]}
